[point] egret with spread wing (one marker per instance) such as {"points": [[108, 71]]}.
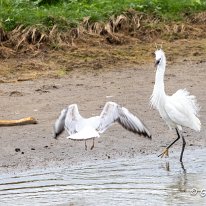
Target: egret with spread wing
{"points": [[180, 109], [80, 128]]}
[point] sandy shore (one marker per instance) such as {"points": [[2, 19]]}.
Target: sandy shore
{"points": [[130, 87]]}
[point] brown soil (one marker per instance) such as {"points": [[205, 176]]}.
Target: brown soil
{"points": [[94, 56], [41, 84]]}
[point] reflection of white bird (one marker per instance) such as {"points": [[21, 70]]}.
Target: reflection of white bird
{"points": [[80, 128], [178, 110]]}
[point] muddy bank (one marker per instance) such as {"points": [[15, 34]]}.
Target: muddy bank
{"points": [[30, 146], [95, 56]]}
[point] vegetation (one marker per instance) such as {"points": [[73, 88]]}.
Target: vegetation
{"points": [[55, 37], [68, 13]]}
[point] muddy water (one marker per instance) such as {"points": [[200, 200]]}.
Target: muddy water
{"points": [[143, 180]]}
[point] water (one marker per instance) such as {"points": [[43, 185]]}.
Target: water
{"points": [[144, 180]]}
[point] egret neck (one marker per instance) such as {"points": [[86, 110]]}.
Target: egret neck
{"points": [[158, 95]]}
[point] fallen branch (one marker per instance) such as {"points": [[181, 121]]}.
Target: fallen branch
{"points": [[23, 121]]}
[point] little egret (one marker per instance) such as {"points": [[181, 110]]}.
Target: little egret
{"points": [[80, 128], [180, 109]]}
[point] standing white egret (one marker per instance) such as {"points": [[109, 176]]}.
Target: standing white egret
{"points": [[80, 128], [180, 109]]}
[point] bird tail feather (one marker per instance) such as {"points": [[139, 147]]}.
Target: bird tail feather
{"points": [[197, 125]]}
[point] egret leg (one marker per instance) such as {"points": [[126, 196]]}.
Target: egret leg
{"points": [[183, 148], [85, 145], [165, 152], [183, 167], [92, 145]]}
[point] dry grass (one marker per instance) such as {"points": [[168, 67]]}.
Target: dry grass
{"points": [[128, 39], [129, 26], [199, 18]]}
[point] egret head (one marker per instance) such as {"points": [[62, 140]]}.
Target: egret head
{"points": [[159, 57]]}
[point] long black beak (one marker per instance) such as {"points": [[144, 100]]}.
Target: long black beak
{"points": [[157, 62]]}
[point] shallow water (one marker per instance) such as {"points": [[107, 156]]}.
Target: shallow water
{"points": [[144, 180]]}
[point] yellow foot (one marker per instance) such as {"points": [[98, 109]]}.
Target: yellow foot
{"points": [[164, 153]]}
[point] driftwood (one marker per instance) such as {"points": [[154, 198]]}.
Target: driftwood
{"points": [[23, 121]]}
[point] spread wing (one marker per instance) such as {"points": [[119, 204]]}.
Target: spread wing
{"points": [[113, 112], [59, 123], [67, 120]]}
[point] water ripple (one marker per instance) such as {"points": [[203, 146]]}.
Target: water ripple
{"points": [[139, 181]]}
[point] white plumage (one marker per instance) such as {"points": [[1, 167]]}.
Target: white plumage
{"points": [[80, 128], [180, 109], [86, 133]]}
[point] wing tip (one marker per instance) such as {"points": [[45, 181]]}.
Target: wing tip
{"points": [[146, 134], [55, 136]]}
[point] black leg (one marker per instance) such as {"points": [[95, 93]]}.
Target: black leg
{"points": [[92, 144], [167, 166], [183, 148], [183, 167], [178, 137], [85, 144]]}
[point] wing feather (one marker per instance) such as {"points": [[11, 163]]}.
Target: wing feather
{"points": [[113, 112], [108, 116], [184, 98], [59, 123], [182, 109], [132, 123], [72, 117]]}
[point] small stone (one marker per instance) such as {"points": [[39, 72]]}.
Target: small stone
{"points": [[17, 150], [108, 156]]}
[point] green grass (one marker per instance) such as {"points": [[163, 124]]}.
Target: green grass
{"points": [[68, 13]]}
